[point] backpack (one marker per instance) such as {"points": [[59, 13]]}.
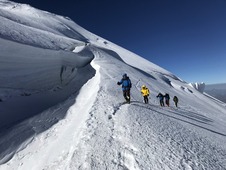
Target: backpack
{"points": [[127, 83], [167, 96], [175, 99]]}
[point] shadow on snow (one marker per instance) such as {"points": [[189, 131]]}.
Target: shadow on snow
{"points": [[180, 112]]}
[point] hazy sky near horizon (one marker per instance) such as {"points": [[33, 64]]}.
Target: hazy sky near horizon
{"points": [[185, 37]]}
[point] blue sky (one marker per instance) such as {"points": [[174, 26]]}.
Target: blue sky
{"points": [[186, 37]]}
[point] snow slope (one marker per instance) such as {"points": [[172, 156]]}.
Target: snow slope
{"points": [[90, 127]]}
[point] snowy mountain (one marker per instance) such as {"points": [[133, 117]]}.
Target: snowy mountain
{"points": [[217, 90], [61, 107]]}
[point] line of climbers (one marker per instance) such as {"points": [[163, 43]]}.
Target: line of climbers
{"points": [[167, 99], [126, 86]]}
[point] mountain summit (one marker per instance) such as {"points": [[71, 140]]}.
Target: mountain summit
{"points": [[61, 107]]}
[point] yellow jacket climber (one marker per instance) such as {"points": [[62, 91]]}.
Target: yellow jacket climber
{"points": [[145, 92]]}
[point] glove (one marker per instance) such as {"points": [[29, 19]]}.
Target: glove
{"points": [[118, 83]]}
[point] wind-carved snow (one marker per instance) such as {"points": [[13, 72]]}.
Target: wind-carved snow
{"points": [[94, 128], [46, 76], [198, 86]]}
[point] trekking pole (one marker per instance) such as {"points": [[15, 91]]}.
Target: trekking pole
{"points": [[138, 88]]}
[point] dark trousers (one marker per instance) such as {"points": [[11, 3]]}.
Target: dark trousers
{"points": [[161, 102], [167, 102], [126, 94], [146, 99]]}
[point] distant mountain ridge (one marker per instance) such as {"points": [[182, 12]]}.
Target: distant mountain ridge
{"points": [[217, 90]]}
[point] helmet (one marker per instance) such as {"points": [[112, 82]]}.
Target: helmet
{"points": [[143, 86]]}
